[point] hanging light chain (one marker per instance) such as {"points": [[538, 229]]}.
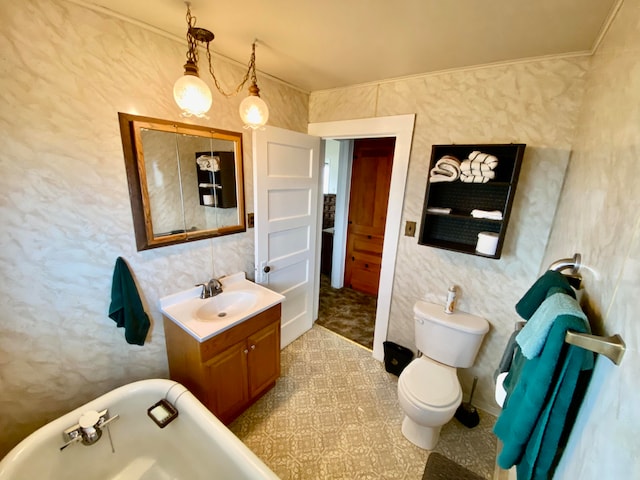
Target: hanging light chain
{"points": [[251, 70], [192, 53], [192, 56]]}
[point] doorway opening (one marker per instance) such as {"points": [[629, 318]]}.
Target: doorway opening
{"points": [[348, 299], [401, 128]]}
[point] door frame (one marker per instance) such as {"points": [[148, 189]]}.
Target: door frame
{"points": [[400, 127]]}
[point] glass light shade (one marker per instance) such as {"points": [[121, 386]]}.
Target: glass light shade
{"points": [[192, 95], [254, 112]]}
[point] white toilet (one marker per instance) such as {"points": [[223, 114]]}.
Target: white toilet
{"points": [[428, 388]]}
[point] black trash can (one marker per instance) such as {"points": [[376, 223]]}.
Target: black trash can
{"points": [[396, 357]]}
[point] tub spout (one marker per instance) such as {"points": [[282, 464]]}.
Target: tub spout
{"points": [[89, 428]]}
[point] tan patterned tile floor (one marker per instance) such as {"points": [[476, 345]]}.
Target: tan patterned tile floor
{"points": [[334, 414]]}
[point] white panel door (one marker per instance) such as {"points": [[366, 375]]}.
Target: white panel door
{"points": [[286, 169]]}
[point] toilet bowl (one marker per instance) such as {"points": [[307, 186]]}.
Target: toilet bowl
{"points": [[429, 394], [429, 391]]}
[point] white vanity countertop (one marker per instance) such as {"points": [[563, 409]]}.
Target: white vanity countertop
{"points": [[183, 307]]}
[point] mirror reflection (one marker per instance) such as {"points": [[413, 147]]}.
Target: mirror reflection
{"points": [[185, 181]]}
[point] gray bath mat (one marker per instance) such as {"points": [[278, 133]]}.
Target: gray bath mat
{"points": [[440, 467]]}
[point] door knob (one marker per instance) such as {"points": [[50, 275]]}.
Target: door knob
{"points": [[266, 269]]}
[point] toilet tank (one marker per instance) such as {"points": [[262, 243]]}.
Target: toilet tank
{"points": [[453, 339]]}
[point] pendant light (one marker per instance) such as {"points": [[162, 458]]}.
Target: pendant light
{"points": [[192, 94]]}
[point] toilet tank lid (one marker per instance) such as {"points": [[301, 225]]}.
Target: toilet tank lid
{"points": [[463, 321]]}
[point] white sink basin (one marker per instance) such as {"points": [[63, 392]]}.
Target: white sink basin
{"points": [[204, 318], [227, 304]]}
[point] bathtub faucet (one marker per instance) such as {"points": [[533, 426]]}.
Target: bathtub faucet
{"points": [[210, 289], [89, 428]]}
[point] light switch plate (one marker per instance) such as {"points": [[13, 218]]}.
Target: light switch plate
{"points": [[410, 229], [249, 220]]}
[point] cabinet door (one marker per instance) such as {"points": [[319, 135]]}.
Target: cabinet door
{"points": [[227, 382], [264, 358]]}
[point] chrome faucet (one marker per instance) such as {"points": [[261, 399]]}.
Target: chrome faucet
{"points": [[210, 289]]}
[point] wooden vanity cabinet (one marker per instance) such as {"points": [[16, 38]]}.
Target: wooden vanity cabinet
{"points": [[231, 370]]}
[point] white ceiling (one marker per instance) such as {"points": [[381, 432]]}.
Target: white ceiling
{"points": [[322, 44]]}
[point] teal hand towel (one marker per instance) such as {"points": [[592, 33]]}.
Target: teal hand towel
{"points": [[539, 393], [533, 335], [126, 307], [531, 300]]}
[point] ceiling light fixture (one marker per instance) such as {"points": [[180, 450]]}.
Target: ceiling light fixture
{"points": [[194, 97]]}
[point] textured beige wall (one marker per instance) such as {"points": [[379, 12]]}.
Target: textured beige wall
{"points": [[599, 216], [536, 103], [64, 205]]}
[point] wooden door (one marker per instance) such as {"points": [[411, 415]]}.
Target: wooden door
{"points": [[370, 181], [286, 182]]}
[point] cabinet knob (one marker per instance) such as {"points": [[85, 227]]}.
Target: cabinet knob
{"points": [[253, 347], [266, 269], [246, 351]]}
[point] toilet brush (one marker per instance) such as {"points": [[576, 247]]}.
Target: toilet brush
{"points": [[467, 413]]}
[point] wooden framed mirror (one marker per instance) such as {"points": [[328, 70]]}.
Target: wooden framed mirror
{"points": [[185, 181]]}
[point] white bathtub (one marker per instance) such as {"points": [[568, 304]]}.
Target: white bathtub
{"points": [[196, 445]]}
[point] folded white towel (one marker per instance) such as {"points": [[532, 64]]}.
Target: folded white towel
{"points": [[475, 165], [209, 162], [439, 210], [447, 166], [490, 160], [490, 174], [452, 169], [473, 178], [437, 177], [449, 159], [490, 214]]}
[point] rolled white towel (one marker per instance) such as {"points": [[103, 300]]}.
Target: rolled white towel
{"points": [[489, 214], [473, 178], [485, 158]]}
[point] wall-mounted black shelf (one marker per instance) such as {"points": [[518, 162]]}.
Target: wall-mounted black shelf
{"points": [[458, 230], [222, 190]]}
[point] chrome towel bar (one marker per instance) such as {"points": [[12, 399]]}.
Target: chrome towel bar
{"points": [[612, 347]]}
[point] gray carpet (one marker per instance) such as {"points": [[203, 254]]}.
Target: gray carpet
{"points": [[440, 467], [347, 312]]}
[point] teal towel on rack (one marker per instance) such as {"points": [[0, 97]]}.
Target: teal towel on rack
{"points": [[531, 300], [126, 307], [533, 335], [540, 392]]}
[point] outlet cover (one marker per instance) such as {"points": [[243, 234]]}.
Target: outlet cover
{"points": [[410, 229]]}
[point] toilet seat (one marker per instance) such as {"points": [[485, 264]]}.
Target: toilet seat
{"points": [[431, 384]]}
